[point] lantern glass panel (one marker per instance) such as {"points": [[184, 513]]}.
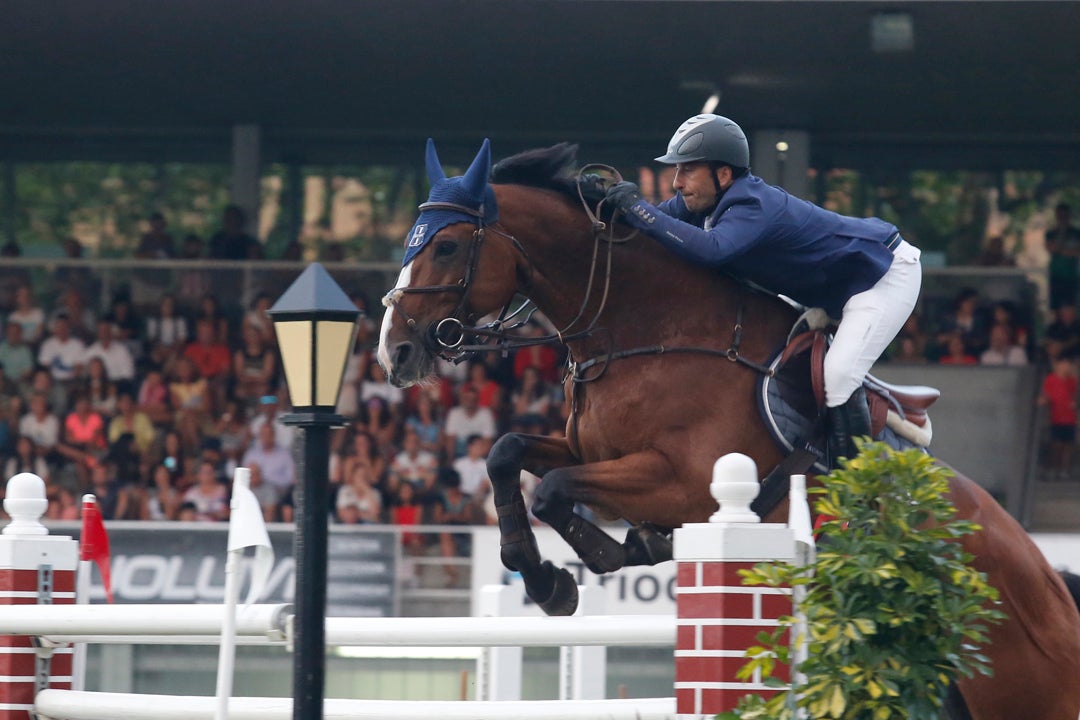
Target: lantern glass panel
{"points": [[335, 340], [296, 343]]}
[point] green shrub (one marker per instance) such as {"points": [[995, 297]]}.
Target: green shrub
{"points": [[894, 611]]}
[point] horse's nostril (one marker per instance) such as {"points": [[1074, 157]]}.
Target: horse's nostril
{"points": [[402, 353]]}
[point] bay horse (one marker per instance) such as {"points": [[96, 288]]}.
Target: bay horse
{"points": [[663, 362]]}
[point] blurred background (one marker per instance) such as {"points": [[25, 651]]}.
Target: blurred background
{"points": [[171, 166]]}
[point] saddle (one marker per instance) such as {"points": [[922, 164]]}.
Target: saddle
{"points": [[792, 400], [900, 407]]}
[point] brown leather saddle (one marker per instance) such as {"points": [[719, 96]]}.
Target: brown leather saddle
{"points": [[909, 402]]}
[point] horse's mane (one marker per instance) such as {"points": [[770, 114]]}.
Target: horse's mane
{"points": [[554, 168]]}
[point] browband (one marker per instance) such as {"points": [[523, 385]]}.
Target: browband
{"points": [[452, 206]]}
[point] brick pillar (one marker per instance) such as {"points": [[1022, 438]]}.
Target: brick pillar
{"points": [[35, 569], [717, 618]]}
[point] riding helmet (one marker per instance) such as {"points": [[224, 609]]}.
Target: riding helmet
{"points": [[710, 138]]}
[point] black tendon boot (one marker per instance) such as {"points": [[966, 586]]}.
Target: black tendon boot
{"points": [[847, 421]]}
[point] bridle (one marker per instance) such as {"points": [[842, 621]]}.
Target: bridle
{"points": [[447, 337]]}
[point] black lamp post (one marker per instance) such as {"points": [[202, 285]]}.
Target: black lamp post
{"points": [[315, 324]]}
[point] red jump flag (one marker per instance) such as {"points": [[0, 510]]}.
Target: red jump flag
{"points": [[94, 542]]}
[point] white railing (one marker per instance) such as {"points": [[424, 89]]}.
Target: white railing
{"points": [[71, 705]]}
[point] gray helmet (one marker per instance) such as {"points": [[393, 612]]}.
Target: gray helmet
{"points": [[710, 138]]}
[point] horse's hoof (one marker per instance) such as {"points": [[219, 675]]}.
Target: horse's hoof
{"points": [[605, 560], [646, 546], [564, 594]]}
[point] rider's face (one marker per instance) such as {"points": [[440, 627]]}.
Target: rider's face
{"points": [[695, 181]]}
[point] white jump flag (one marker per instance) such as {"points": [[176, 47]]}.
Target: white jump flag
{"points": [[246, 529]]}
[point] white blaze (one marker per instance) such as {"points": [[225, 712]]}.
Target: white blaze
{"points": [[388, 317]]}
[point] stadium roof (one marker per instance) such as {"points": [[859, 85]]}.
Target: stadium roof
{"points": [[983, 82]]}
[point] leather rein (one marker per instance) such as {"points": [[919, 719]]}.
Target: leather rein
{"points": [[447, 337]]}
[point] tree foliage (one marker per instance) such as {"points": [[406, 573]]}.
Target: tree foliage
{"points": [[894, 611]]}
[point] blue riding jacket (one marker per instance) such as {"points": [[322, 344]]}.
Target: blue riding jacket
{"points": [[790, 246]]}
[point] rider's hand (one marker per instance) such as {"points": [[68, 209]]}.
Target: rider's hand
{"points": [[623, 195], [593, 187]]}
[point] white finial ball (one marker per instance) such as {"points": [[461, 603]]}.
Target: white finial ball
{"points": [[25, 486], [26, 503], [735, 485]]}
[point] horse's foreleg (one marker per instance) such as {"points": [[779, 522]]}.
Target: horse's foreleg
{"points": [[553, 589], [596, 484]]}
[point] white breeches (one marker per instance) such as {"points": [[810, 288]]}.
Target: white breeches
{"points": [[869, 323]]}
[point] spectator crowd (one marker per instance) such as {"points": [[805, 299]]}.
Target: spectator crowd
{"points": [[153, 408]]}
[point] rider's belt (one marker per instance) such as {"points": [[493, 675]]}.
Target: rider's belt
{"points": [[894, 241]]}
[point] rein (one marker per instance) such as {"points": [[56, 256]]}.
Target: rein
{"points": [[578, 370], [447, 337]]}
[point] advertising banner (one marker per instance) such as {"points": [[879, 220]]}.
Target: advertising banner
{"points": [[185, 563], [630, 591]]}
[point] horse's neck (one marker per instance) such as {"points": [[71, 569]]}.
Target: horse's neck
{"points": [[650, 297]]}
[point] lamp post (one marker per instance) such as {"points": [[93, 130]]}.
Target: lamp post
{"points": [[315, 324]]}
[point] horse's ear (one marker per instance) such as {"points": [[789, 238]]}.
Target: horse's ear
{"points": [[476, 177], [434, 167]]}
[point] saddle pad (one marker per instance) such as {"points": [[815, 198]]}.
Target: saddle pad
{"points": [[787, 405]]}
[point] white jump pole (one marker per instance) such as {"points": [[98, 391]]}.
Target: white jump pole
{"points": [[70, 705], [135, 621], [606, 630]]}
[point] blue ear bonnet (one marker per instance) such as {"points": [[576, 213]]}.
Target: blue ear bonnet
{"points": [[470, 190]]}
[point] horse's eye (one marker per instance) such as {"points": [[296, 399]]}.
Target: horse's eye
{"points": [[445, 249]]}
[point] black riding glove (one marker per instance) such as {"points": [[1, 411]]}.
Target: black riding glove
{"points": [[623, 195], [593, 187]]}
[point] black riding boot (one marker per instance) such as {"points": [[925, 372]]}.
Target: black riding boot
{"points": [[847, 421]]}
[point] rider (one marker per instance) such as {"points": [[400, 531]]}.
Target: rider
{"points": [[859, 270]]}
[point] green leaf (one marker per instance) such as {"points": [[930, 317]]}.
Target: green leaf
{"points": [[837, 702]]}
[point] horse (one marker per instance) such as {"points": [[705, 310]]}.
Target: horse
{"points": [[663, 358]]}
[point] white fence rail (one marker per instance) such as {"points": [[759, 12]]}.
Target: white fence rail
{"points": [[610, 631], [72, 705]]}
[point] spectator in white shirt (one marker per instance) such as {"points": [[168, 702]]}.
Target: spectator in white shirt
{"points": [[276, 462], [119, 363], [414, 464], [473, 467], [61, 352], [1002, 350], [375, 384], [465, 420], [270, 412], [29, 315], [40, 425]]}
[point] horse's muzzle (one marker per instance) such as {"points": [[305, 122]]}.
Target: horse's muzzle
{"points": [[403, 364], [408, 363]]}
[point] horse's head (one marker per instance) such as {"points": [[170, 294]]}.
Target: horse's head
{"points": [[450, 276]]}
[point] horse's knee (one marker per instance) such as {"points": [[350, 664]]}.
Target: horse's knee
{"points": [[551, 502], [504, 458]]}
